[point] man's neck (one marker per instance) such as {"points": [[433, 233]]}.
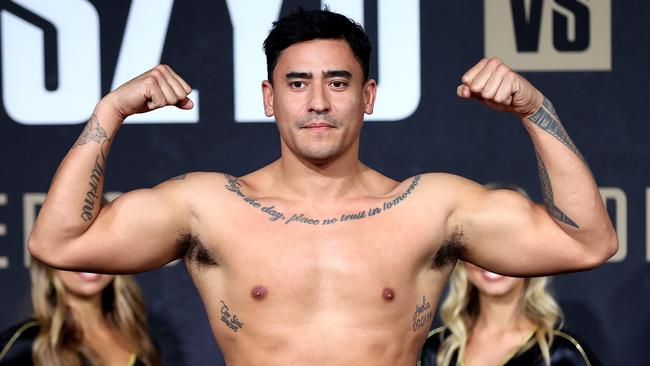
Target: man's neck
{"points": [[321, 181]]}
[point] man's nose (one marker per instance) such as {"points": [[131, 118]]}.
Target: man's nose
{"points": [[319, 101]]}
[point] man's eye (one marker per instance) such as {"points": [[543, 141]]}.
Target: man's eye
{"points": [[338, 84], [297, 84]]}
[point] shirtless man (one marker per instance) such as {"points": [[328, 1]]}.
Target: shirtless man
{"points": [[317, 259]]}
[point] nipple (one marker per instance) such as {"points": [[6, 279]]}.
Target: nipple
{"points": [[388, 294], [259, 292]]}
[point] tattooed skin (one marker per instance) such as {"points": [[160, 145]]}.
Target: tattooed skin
{"points": [[229, 319], [547, 192], [274, 214], [423, 315], [93, 132], [546, 118]]}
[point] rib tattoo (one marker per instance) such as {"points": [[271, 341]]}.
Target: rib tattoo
{"points": [[547, 119]]}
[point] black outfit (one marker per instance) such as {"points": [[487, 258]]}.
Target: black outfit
{"points": [[565, 351], [16, 345]]}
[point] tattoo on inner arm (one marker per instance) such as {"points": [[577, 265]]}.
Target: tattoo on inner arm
{"points": [[547, 119], [229, 319], [93, 132], [547, 192]]}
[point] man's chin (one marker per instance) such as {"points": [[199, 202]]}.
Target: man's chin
{"points": [[319, 157]]}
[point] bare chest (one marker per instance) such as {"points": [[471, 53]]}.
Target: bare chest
{"points": [[332, 254]]}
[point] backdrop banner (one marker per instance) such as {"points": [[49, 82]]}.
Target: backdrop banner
{"points": [[590, 58]]}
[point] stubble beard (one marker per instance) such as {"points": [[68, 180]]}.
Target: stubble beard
{"points": [[319, 152]]}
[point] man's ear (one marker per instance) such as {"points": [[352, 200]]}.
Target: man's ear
{"points": [[369, 94], [267, 95]]}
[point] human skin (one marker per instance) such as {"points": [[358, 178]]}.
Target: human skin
{"points": [[82, 293], [317, 258], [501, 326], [83, 284]]}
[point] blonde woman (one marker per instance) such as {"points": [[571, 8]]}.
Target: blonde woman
{"points": [[81, 319], [492, 320]]}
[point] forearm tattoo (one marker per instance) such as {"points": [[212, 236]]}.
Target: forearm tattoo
{"points": [[547, 119], [93, 132], [547, 192]]}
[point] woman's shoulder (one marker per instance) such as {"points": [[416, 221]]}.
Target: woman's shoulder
{"points": [[569, 349], [430, 349], [436, 336], [16, 343]]}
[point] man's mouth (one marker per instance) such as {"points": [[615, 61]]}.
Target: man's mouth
{"points": [[318, 126]]}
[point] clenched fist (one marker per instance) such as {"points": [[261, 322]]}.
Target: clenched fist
{"points": [[495, 84], [156, 88]]}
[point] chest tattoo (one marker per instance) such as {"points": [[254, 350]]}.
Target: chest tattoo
{"points": [[275, 214]]}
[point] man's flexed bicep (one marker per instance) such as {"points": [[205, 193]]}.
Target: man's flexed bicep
{"points": [[138, 231], [507, 233], [69, 221], [574, 222]]}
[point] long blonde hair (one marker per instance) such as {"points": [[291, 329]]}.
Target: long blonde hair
{"points": [[460, 310], [59, 342]]}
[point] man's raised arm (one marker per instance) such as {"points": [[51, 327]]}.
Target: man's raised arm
{"points": [[505, 232], [136, 232]]}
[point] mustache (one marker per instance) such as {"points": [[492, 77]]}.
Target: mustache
{"points": [[319, 117]]}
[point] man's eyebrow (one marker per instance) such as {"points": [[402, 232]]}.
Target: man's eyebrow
{"points": [[298, 75], [338, 73]]}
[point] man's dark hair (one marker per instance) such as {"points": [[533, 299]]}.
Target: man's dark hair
{"points": [[306, 25]]}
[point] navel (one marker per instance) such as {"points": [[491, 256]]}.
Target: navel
{"points": [[388, 294], [259, 292]]}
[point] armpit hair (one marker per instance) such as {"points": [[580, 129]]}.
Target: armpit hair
{"points": [[450, 251], [194, 252]]}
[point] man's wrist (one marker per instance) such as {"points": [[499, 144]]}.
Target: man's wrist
{"points": [[107, 114]]}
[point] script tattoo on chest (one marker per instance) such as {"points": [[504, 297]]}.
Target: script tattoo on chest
{"points": [[230, 319], [275, 214], [423, 315]]}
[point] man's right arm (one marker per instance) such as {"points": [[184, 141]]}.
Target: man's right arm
{"points": [[138, 231]]}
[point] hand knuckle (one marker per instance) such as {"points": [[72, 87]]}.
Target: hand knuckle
{"points": [[150, 81], [156, 73], [495, 63]]}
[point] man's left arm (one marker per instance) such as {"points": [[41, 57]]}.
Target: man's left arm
{"points": [[571, 196]]}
